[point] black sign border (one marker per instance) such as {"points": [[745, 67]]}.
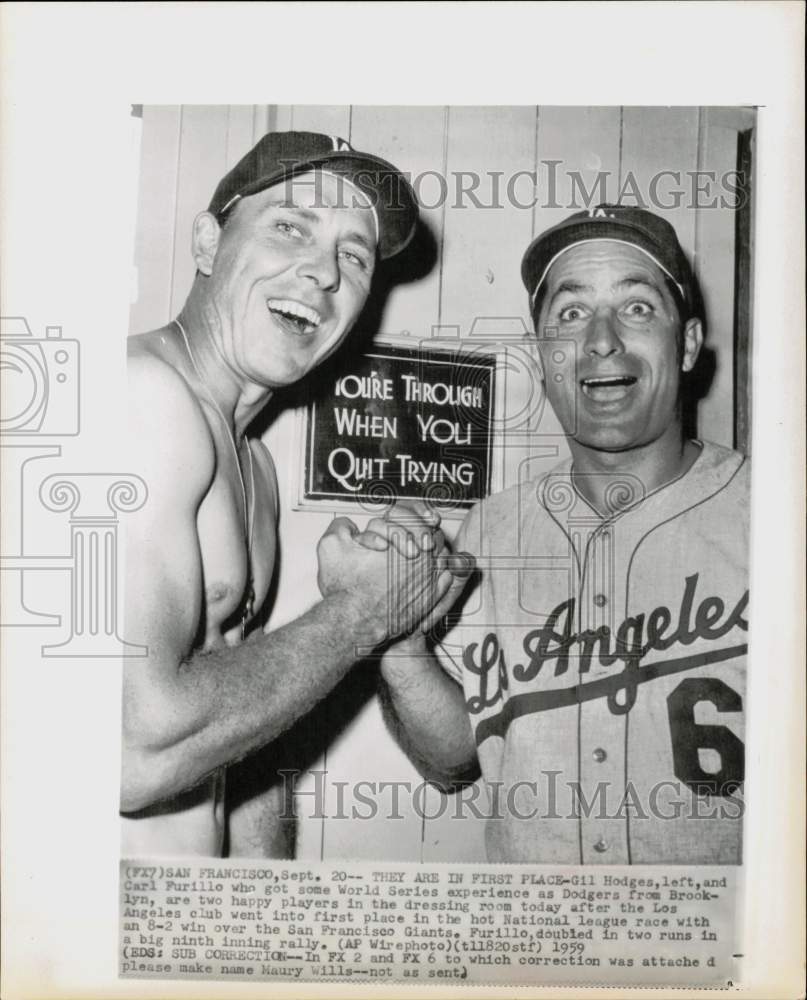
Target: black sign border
{"points": [[452, 358]]}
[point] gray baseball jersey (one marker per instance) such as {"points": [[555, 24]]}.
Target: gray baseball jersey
{"points": [[603, 662]]}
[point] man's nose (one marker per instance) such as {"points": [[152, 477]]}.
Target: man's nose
{"points": [[602, 337], [321, 266]]}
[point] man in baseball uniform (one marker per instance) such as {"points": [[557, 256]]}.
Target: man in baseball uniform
{"points": [[285, 256], [602, 651]]}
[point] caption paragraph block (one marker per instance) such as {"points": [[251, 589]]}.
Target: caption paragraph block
{"points": [[364, 922]]}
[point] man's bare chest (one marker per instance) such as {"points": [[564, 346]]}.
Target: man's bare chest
{"points": [[237, 553]]}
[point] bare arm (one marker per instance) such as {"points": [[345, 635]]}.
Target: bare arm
{"points": [[426, 708], [427, 712], [185, 719], [187, 713]]}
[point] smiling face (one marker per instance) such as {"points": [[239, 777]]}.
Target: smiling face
{"points": [[287, 276], [609, 301]]}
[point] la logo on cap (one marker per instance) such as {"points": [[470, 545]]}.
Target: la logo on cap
{"points": [[599, 213], [339, 144]]}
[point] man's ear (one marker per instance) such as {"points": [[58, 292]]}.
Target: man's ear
{"points": [[205, 241], [693, 341]]}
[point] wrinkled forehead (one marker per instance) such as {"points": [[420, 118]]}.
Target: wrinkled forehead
{"points": [[322, 189], [601, 261]]}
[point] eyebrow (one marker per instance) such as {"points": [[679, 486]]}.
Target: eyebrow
{"points": [[629, 281], [637, 279], [575, 287], [355, 237], [305, 213]]}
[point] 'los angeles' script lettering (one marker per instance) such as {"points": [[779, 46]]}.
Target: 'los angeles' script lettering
{"points": [[556, 641]]}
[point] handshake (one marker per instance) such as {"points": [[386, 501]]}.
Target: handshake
{"points": [[399, 570]]}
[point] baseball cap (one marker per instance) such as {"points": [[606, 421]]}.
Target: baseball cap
{"points": [[620, 223], [279, 156]]}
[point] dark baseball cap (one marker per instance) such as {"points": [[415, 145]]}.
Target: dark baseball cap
{"points": [[279, 156], [620, 223]]}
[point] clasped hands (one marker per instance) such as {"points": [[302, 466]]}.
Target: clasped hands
{"points": [[400, 565]]}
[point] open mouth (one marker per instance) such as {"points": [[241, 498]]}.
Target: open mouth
{"points": [[607, 388], [294, 316]]}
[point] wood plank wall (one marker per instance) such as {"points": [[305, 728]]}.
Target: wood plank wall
{"points": [[468, 286]]}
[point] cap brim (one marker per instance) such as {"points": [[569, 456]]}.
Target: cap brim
{"points": [[535, 270], [604, 239], [393, 200]]}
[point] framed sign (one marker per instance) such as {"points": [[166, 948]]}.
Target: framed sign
{"points": [[403, 423]]}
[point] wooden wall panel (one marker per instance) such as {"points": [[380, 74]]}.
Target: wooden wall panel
{"points": [[184, 153], [202, 164], [482, 248], [714, 267], [414, 140], [481, 289], [156, 217], [366, 752], [241, 122], [655, 140], [586, 142], [332, 119], [453, 825], [280, 117]]}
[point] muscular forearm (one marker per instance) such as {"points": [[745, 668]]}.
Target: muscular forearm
{"points": [[428, 713], [220, 705]]}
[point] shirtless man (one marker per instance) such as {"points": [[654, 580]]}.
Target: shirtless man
{"points": [[284, 261]]}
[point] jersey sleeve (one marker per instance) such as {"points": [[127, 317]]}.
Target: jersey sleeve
{"points": [[449, 639]]}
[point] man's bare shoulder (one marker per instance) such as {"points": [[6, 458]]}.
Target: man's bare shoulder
{"points": [[168, 430]]}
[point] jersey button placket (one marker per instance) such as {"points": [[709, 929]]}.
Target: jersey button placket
{"points": [[602, 734], [596, 605]]}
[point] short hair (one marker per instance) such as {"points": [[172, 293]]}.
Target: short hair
{"points": [[224, 217]]}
